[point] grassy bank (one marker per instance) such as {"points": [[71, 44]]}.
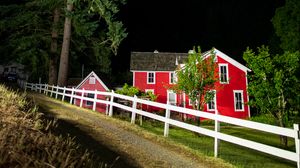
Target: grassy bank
{"points": [[26, 138], [233, 154]]}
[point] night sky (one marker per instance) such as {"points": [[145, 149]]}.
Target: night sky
{"points": [[177, 26]]}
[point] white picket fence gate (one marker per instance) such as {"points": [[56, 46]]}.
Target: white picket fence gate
{"points": [[216, 134]]}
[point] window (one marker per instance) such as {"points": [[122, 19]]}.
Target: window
{"points": [[211, 104], [238, 100], [223, 73], [171, 97], [173, 78], [13, 69], [90, 95], [191, 102], [150, 78], [92, 80], [149, 90]]}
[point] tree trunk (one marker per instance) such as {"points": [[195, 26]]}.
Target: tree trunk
{"points": [[283, 139], [64, 56], [53, 51]]}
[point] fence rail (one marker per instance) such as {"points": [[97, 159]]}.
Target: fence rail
{"points": [[79, 94]]}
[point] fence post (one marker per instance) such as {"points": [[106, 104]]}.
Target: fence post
{"points": [[63, 96], [25, 86], [134, 104], [82, 95], [46, 91], [110, 113], [95, 98], [71, 97], [40, 85], [217, 129], [106, 112], [56, 93], [51, 90], [297, 143], [167, 116]]}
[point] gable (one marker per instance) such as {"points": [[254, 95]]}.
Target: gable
{"points": [[97, 81], [227, 59]]}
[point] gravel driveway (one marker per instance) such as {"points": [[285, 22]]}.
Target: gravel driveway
{"points": [[132, 147]]}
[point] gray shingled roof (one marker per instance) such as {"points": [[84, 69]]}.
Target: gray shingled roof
{"points": [[150, 61]]}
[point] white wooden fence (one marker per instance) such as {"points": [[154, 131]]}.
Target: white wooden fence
{"points": [[216, 134]]}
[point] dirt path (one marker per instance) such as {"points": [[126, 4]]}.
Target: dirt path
{"points": [[134, 150]]}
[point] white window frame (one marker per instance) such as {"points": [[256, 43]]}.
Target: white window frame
{"points": [[148, 78], [227, 74], [171, 92], [86, 102], [149, 90], [215, 101], [174, 78], [242, 97], [92, 80]]}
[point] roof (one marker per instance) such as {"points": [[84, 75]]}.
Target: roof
{"points": [[149, 61], [92, 74], [226, 58], [156, 61]]}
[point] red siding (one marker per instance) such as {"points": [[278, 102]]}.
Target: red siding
{"points": [[97, 86], [225, 95]]}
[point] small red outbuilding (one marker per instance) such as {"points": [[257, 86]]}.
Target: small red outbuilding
{"points": [[92, 82]]}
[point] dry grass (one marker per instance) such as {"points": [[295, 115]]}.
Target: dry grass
{"points": [[26, 139]]}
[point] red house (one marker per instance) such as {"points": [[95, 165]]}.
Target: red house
{"points": [[92, 82], [154, 71]]}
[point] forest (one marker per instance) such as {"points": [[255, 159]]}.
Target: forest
{"points": [[60, 39]]}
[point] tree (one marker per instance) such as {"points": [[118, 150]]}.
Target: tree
{"points": [[25, 36], [197, 78], [286, 22], [274, 84], [115, 31], [64, 56]]}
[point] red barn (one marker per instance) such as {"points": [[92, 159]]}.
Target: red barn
{"points": [[154, 71], [92, 82]]}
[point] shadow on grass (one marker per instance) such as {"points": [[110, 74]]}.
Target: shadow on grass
{"points": [[99, 150]]}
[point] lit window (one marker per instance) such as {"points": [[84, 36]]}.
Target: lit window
{"points": [[90, 95], [211, 104], [151, 78], [92, 80], [238, 100], [223, 72]]}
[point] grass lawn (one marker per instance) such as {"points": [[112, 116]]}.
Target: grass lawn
{"points": [[234, 154]]}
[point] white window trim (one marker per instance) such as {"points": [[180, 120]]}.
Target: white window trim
{"points": [[174, 78], [215, 100], [170, 91], [153, 77], [242, 97], [86, 102], [149, 90], [227, 74]]}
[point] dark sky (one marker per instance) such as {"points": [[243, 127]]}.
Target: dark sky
{"points": [[177, 26]]}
